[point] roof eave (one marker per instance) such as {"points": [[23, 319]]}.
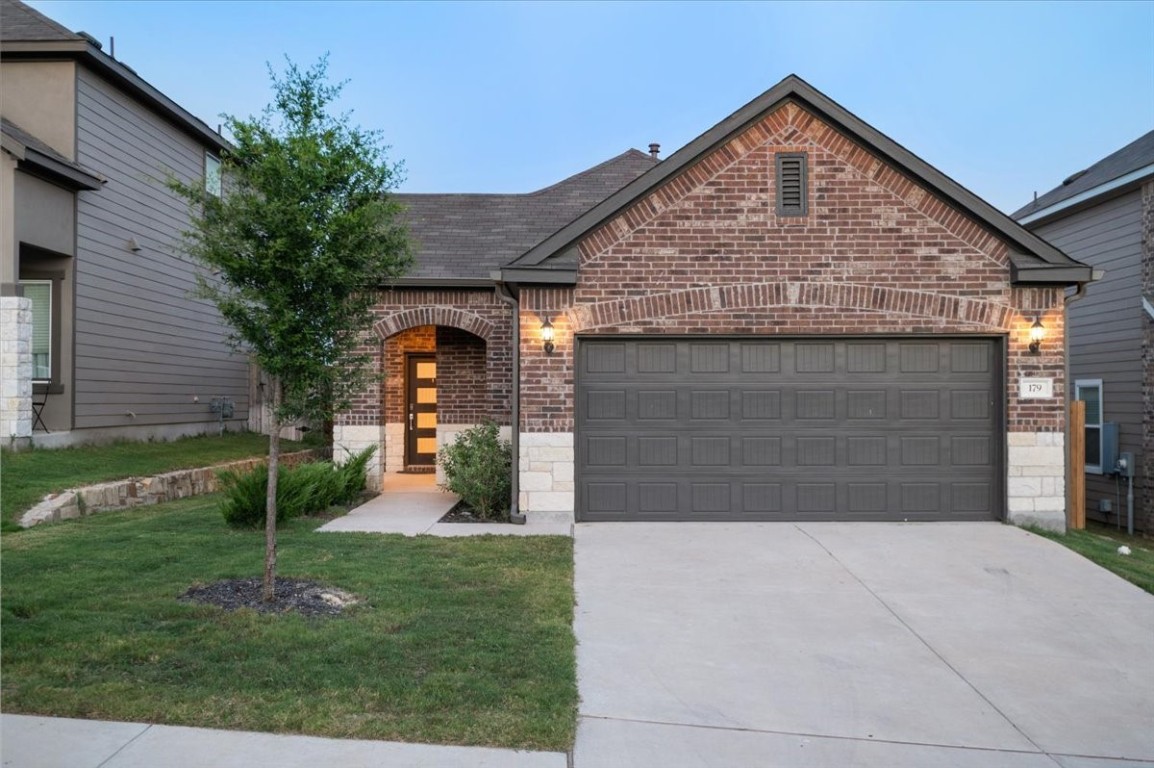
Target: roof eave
{"points": [[437, 282], [45, 166], [531, 276], [1082, 200], [1050, 275], [122, 76]]}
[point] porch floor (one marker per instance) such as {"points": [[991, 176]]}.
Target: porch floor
{"points": [[412, 505]]}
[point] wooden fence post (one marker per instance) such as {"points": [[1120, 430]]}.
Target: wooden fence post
{"points": [[1076, 467]]}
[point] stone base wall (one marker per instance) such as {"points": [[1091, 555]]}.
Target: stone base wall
{"points": [[545, 465], [15, 367], [350, 439], [1036, 482], [135, 492], [394, 447]]}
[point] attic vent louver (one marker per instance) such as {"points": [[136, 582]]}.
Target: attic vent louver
{"points": [[791, 184]]}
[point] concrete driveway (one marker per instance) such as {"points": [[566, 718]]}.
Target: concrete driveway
{"points": [[868, 644]]}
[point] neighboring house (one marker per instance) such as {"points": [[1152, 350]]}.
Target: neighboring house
{"points": [[790, 318], [1104, 216], [101, 334]]}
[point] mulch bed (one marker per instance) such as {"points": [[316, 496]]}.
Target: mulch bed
{"points": [[309, 598], [463, 513]]}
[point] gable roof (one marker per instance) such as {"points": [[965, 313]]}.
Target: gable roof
{"points": [[1126, 168], [22, 22], [26, 34], [1033, 260], [466, 237]]}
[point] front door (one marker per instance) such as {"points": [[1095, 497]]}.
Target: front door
{"points": [[421, 397]]}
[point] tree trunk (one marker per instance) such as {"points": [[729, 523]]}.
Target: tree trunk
{"points": [[270, 502]]}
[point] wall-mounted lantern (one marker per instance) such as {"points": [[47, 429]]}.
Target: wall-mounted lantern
{"points": [[547, 336], [1037, 333]]}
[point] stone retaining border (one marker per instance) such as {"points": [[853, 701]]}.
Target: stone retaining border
{"points": [[135, 491]]}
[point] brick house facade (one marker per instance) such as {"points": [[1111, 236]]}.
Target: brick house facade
{"points": [[694, 258]]}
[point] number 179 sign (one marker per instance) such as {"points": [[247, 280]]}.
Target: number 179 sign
{"points": [[1033, 389]]}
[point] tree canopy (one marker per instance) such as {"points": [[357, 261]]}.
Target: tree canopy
{"points": [[297, 232], [303, 231]]}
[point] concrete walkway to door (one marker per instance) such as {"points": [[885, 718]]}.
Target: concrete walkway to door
{"points": [[869, 644], [412, 505]]}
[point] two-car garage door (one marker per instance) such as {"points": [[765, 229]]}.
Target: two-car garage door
{"points": [[777, 429]]}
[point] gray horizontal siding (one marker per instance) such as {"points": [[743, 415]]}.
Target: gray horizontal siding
{"points": [[1106, 325], [143, 343]]}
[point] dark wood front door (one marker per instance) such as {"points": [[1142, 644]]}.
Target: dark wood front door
{"points": [[421, 404]]}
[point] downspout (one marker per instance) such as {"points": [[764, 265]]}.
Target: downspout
{"points": [[504, 295]]}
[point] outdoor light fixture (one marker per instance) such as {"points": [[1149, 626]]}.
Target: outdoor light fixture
{"points": [[547, 336], [1037, 333]]}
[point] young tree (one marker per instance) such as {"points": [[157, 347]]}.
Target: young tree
{"points": [[297, 242]]}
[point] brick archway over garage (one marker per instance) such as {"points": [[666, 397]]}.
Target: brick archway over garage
{"points": [[939, 308], [445, 316]]}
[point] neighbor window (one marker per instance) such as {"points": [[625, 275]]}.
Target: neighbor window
{"points": [[40, 292], [1089, 391], [791, 184], [212, 174]]}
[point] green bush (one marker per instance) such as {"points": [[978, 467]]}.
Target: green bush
{"points": [[301, 490], [477, 468]]}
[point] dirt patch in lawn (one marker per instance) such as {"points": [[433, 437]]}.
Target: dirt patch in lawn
{"points": [[309, 598]]}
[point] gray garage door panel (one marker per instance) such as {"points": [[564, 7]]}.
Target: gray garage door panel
{"points": [[758, 429]]}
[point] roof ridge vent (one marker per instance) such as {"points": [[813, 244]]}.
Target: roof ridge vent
{"points": [[99, 45]]}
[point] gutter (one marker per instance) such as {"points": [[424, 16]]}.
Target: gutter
{"points": [[1146, 305], [502, 292]]}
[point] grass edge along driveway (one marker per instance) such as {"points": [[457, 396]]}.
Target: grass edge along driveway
{"points": [[1099, 543], [458, 641]]}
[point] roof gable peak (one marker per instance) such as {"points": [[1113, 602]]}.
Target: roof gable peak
{"points": [[1032, 259]]}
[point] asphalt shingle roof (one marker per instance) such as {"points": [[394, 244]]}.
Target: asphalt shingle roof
{"points": [[469, 236], [1137, 154], [10, 128], [21, 22]]}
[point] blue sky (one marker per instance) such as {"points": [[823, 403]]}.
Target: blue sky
{"points": [[1006, 98]]}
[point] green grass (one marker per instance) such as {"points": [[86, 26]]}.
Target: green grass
{"points": [[458, 641], [1100, 543], [27, 476]]}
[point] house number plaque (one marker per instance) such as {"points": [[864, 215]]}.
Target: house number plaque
{"points": [[1032, 389]]}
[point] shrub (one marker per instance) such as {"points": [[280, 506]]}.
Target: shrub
{"points": [[477, 468], [301, 490]]}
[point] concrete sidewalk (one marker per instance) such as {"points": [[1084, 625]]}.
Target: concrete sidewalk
{"points": [[51, 742], [412, 505]]}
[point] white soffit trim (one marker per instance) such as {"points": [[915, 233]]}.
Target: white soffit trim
{"points": [[1101, 189], [1146, 305]]}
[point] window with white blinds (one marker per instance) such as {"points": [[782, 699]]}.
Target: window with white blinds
{"points": [[40, 292]]}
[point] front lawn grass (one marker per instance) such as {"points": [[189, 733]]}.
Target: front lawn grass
{"points": [[1100, 543], [458, 641], [28, 476]]}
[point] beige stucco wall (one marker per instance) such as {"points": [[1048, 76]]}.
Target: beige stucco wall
{"points": [[40, 97], [45, 214]]}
